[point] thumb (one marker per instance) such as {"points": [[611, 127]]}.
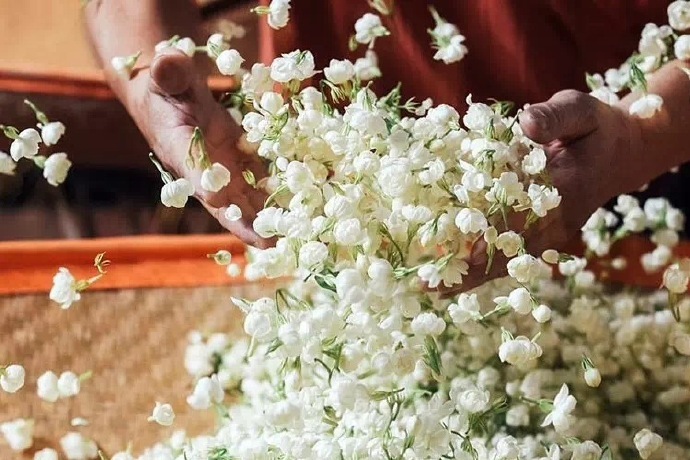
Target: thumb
{"points": [[172, 72], [568, 115]]}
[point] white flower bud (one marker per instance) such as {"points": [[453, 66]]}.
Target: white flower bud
{"points": [[215, 177], [679, 15], [52, 132], [593, 377], [187, 46], [312, 254], [215, 45], [18, 433], [233, 213], [542, 314], [162, 414], [682, 47], [123, 456], [47, 454], [278, 13], [47, 387], [368, 28], [64, 290], [12, 378], [520, 300], [681, 342], [55, 168], [229, 62], [647, 442], [76, 446], [176, 193], [519, 351], [68, 384]]}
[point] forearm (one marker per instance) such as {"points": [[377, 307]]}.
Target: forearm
{"points": [[665, 137], [125, 27]]}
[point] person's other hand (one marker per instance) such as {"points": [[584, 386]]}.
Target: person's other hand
{"points": [[174, 99], [592, 155]]}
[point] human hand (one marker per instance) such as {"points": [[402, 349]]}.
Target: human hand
{"points": [[171, 101], [593, 154]]}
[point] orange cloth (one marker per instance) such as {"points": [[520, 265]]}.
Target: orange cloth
{"points": [[137, 262]]}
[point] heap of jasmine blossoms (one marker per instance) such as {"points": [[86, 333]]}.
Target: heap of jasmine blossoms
{"points": [[372, 201], [371, 198]]}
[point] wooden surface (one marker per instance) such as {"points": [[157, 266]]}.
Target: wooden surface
{"points": [[133, 341]]}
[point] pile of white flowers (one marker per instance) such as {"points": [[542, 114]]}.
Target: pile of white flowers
{"points": [[375, 202]]}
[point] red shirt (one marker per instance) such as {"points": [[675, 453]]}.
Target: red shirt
{"points": [[519, 50]]}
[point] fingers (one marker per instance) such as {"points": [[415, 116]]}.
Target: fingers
{"points": [[172, 72], [567, 115]]}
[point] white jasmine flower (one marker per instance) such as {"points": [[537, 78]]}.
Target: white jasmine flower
{"points": [[186, 45], [534, 162], [176, 193], [233, 213], [55, 168], [25, 145], [52, 132], [229, 62], [124, 65], [682, 47], [7, 164], [524, 268], [216, 44], [12, 378], [278, 13], [338, 72], [679, 15], [676, 277], [215, 177], [507, 448], [297, 65], [588, 450], [234, 270], [18, 433], [509, 242], [593, 377], [64, 290], [206, 393], [312, 254], [47, 387], [368, 28], [470, 220], [519, 351], [466, 308], [76, 446], [474, 400], [543, 198], [605, 95], [79, 421], [550, 256], [367, 68], [348, 232], [518, 415], [521, 301], [646, 441], [428, 324], [563, 405], [46, 454], [68, 384], [646, 106], [162, 414]]}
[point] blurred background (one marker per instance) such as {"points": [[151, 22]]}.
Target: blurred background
{"points": [[112, 188]]}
